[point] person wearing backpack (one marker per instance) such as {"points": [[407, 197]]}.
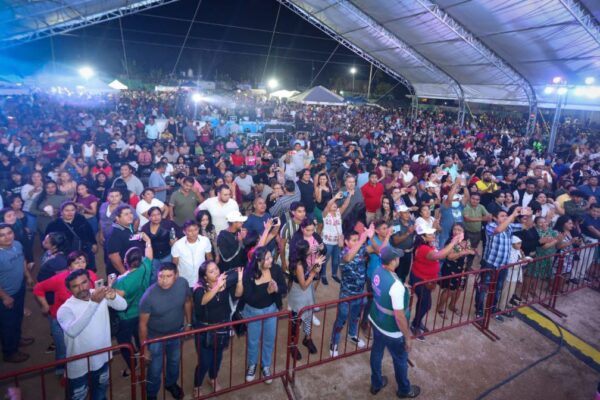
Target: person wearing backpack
{"points": [[389, 318]]}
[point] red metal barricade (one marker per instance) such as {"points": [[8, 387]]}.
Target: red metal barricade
{"points": [[194, 343], [453, 302], [328, 313], [35, 384], [579, 268]]}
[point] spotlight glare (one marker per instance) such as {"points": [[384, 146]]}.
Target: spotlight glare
{"points": [[579, 91], [86, 72], [549, 90], [353, 70], [272, 83], [562, 90], [557, 79], [196, 97], [590, 80]]}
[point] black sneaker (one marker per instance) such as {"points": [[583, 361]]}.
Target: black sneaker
{"points": [[384, 382], [417, 334], [175, 391], [324, 281], [50, 349], [312, 349], [296, 353], [510, 314], [251, 373], [414, 392], [499, 318], [423, 329], [335, 278]]}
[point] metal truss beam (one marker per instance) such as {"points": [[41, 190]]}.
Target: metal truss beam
{"points": [[487, 53], [80, 22], [404, 47], [583, 17], [346, 43]]}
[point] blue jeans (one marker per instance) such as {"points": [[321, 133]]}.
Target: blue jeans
{"points": [[128, 328], [172, 350], [423, 301], [397, 350], [156, 264], [266, 328], [10, 323], [482, 288], [333, 252], [98, 380], [60, 351], [348, 307]]}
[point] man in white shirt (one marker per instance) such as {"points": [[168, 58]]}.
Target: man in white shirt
{"points": [[219, 206], [86, 324], [190, 251], [151, 130]]}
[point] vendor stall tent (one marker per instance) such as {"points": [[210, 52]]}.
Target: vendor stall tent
{"points": [[117, 85], [318, 95], [284, 94]]}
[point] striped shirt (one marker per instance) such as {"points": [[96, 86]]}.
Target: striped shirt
{"points": [[498, 245]]}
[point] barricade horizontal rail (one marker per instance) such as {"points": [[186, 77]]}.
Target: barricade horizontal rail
{"points": [[580, 268], [337, 319], [210, 345], [48, 386], [447, 302]]}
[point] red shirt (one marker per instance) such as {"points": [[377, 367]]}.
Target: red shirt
{"points": [[56, 285], [237, 160], [423, 267], [372, 195]]}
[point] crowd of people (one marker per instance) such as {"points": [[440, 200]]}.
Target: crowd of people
{"points": [[140, 204]]}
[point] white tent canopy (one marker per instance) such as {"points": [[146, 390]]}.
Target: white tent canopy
{"points": [[117, 85], [284, 94], [501, 51], [318, 95]]}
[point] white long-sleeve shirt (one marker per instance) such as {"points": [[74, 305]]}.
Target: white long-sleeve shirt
{"points": [[86, 325]]}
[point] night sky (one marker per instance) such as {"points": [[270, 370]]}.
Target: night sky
{"points": [[229, 39]]}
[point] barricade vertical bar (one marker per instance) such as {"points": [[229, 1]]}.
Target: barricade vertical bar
{"points": [[143, 370], [557, 286], [133, 373]]}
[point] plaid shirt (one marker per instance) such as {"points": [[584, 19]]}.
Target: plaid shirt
{"points": [[498, 245]]}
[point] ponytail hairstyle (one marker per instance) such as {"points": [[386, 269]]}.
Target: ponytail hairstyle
{"points": [[133, 258]]}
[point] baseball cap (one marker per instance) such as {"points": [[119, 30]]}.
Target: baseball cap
{"points": [[403, 208], [389, 254], [425, 230], [515, 240], [236, 216]]}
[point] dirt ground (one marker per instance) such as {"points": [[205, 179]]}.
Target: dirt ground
{"points": [[458, 364]]}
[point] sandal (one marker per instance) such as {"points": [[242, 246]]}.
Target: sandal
{"points": [[442, 314]]}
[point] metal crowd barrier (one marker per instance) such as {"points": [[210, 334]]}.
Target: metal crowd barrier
{"points": [[39, 381]]}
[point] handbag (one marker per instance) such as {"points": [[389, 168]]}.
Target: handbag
{"points": [[242, 328], [215, 339]]}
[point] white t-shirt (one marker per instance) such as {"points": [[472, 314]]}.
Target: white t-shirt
{"points": [[152, 131], [143, 206], [190, 256], [86, 325], [245, 184], [219, 211]]}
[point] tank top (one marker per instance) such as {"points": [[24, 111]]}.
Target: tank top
{"points": [[88, 151]]}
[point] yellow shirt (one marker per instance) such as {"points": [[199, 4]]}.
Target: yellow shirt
{"points": [[486, 187]]}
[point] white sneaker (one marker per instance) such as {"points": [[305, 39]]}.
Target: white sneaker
{"points": [[317, 309], [316, 321], [266, 372], [357, 341], [251, 373], [333, 351]]}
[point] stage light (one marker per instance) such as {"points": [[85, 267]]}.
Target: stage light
{"points": [[353, 70], [196, 97], [562, 91], [272, 83], [590, 80], [86, 72], [342, 92], [593, 92], [548, 90], [579, 91], [557, 79]]}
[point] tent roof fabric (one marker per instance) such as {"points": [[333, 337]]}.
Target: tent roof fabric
{"points": [[21, 21], [117, 85], [495, 50], [318, 95]]}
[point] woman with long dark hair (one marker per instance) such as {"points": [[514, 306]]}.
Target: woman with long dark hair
{"points": [[46, 206], [426, 266], [264, 286], [87, 204], [304, 271], [77, 230], [212, 306], [163, 233], [207, 229], [131, 286]]}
